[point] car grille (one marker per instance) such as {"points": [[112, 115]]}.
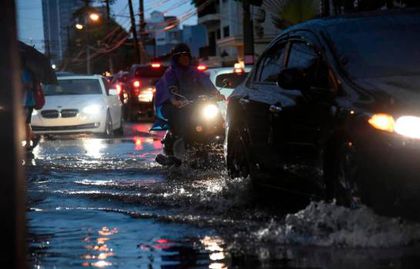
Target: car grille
{"points": [[49, 114], [69, 113], [66, 128]]}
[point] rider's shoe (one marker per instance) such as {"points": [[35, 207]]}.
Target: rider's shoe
{"points": [[167, 160]]}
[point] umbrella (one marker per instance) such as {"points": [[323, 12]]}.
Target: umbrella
{"points": [[37, 63]]}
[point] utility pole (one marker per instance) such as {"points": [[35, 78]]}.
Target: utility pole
{"points": [[87, 49], [142, 25], [325, 9], [108, 27], [248, 32], [12, 183], [133, 30]]}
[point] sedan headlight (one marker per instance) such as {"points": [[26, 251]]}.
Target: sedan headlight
{"points": [[92, 109], [408, 126], [210, 111]]}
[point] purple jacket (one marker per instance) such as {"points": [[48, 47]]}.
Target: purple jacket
{"points": [[189, 81]]}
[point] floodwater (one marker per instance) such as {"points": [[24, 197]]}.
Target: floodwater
{"points": [[105, 203]]}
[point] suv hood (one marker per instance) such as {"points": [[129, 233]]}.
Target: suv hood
{"points": [[401, 93]]}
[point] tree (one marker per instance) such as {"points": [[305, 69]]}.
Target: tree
{"points": [[288, 12], [102, 39]]}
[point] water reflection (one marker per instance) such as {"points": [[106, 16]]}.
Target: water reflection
{"points": [[94, 147], [99, 253], [217, 255]]}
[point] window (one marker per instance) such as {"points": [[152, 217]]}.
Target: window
{"points": [[271, 64], [304, 57], [218, 35], [107, 86], [301, 56], [226, 31]]}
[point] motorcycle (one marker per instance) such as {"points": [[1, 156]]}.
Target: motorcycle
{"points": [[201, 141]]}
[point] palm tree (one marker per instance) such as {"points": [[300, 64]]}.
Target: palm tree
{"points": [[288, 12]]}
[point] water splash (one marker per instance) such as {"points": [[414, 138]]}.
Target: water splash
{"points": [[326, 224]]}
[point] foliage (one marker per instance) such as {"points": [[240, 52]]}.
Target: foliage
{"points": [[98, 36], [295, 11]]}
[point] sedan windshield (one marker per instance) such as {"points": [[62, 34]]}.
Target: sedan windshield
{"points": [[74, 87], [379, 47]]}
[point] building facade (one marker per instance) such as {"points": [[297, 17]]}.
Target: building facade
{"points": [[164, 30], [223, 20], [58, 20]]}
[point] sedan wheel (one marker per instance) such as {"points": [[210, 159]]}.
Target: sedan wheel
{"points": [[108, 132], [120, 130], [342, 178], [236, 161]]}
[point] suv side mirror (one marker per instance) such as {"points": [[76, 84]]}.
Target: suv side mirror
{"points": [[229, 80], [293, 79]]}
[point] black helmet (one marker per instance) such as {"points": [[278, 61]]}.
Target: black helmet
{"points": [[179, 49]]}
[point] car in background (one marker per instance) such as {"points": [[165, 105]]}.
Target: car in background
{"points": [[225, 79], [120, 83], [332, 110], [79, 104], [217, 75], [141, 88]]}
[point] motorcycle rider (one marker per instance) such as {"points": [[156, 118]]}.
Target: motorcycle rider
{"points": [[187, 81]]}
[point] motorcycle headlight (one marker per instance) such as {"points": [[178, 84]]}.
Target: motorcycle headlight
{"points": [[210, 111], [92, 109], [408, 126]]}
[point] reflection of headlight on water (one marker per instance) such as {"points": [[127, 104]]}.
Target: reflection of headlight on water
{"points": [[94, 147], [92, 109], [210, 111]]}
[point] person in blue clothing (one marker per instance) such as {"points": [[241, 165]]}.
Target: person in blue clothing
{"points": [[188, 82], [28, 84]]}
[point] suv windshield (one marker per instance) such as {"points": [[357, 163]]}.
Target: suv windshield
{"points": [[74, 87], [380, 47]]}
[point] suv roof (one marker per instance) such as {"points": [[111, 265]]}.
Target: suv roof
{"points": [[147, 70]]}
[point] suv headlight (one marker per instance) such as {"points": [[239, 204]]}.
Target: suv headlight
{"points": [[408, 126]]}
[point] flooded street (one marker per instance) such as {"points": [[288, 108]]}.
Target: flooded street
{"points": [[105, 203]]}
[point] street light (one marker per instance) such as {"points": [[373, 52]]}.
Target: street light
{"points": [[79, 26], [94, 17]]}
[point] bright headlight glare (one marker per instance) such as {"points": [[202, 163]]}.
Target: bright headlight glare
{"points": [[210, 111], [382, 122], [408, 126], [92, 109]]}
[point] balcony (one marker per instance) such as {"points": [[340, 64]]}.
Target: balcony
{"points": [[209, 19]]}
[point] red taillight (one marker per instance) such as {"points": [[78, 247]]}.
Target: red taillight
{"points": [[136, 84], [156, 65], [201, 67]]}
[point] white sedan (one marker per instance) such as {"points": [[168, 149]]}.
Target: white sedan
{"points": [[79, 104]]}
